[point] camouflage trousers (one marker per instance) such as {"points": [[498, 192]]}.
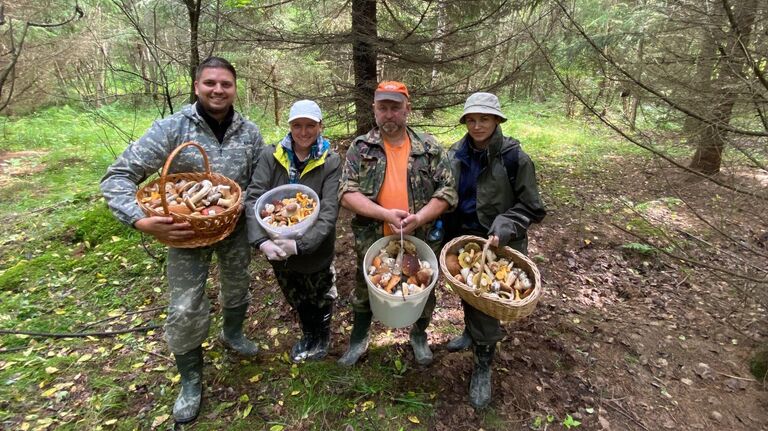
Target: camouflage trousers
{"points": [[365, 236], [189, 308], [315, 290]]}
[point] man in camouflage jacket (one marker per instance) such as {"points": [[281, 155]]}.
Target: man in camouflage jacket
{"points": [[430, 191], [232, 144]]}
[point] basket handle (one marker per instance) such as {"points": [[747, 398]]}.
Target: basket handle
{"points": [[167, 166]]}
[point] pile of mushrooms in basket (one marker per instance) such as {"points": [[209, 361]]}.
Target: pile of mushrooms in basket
{"points": [[493, 275], [191, 197]]}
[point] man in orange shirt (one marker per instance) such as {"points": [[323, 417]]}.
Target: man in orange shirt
{"points": [[395, 180]]}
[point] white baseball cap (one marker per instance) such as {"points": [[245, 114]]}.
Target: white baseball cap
{"points": [[305, 109]]}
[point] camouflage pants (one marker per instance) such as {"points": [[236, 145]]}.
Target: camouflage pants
{"points": [[316, 290], [365, 236], [189, 308]]}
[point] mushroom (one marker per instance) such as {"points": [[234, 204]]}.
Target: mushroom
{"points": [[452, 263], [191, 205], [212, 198], [185, 186], [424, 275], [410, 265], [205, 187]]}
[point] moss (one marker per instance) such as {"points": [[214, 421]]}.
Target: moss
{"points": [[98, 225], [32, 270], [759, 364]]}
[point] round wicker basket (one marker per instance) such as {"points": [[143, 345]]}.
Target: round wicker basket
{"points": [[209, 229], [502, 309]]}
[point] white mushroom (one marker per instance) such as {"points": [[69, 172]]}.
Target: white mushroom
{"points": [[205, 187]]}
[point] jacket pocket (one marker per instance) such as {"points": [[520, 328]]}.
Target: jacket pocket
{"points": [[368, 176]]}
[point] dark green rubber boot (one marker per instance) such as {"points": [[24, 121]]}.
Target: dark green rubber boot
{"points": [[462, 342], [190, 366], [232, 332], [480, 386], [358, 341], [420, 346]]}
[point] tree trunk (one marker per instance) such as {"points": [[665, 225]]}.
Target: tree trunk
{"points": [[705, 66], [364, 55], [193, 8], [711, 138], [275, 94]]}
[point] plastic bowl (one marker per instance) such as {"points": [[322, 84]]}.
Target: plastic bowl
{"points": [[396, 311], [282, 192]]}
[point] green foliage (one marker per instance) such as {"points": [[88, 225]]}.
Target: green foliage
{"points": [[569, 422], [640, 248]]}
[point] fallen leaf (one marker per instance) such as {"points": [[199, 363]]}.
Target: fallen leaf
{"points": [[51, 370], [414, 419], [110, 422], [85, 358], [255, 378], [159, 420], [294, 393], [367, 405], [276, 428], [247, 410]]}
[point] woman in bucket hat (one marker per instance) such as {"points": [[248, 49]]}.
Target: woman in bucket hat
{"points": [[498, 199], [303, 266]]}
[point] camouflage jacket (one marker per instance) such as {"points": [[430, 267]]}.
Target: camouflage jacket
{"points": [[429, 174], [236, 157], [316, 247]]}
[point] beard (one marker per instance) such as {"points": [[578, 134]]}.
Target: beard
{"points": [[390, 127]]}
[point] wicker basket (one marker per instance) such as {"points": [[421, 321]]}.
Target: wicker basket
{"points": [[502, 309], [209, 229]]}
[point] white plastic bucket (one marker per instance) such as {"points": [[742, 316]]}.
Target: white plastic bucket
{"points": [[279, 193], [396, 311]]}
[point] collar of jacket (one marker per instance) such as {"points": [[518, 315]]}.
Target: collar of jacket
{"points": [[190, 111], [494, 145], [373, 138], [284, 158]]}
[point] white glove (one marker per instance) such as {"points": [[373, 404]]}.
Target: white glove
{"points": [[272, 250], [288, 246]]}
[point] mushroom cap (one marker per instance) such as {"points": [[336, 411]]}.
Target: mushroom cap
{"points": [[410, 264], [452, 263]]}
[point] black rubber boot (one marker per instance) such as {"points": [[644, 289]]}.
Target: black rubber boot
{"points": [[232, 332], [307, 318], [190, 366], [480, 386], [420, 346], [358, 341], [319, 349], [462, 342]]}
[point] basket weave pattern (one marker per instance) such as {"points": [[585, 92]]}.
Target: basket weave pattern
{"points": [[208, 229], [502, 309]]}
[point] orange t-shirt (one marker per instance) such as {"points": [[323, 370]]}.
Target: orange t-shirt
{"points": [[394, 190]]}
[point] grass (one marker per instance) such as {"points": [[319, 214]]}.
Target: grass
{"points": [[66, 264]]}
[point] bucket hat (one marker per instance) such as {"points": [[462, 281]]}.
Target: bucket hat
{"points": [[482, 103]]}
